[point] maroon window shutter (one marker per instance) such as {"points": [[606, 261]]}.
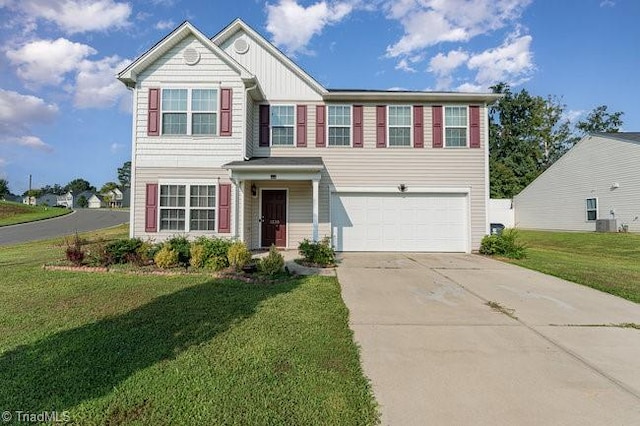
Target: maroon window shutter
{"points": [[474, 126], [358, 141], [418, 126], [224, 208], [381, 126], [226, 101], [153, 114], [264, 125], [301, 130], [437, 126], [320, 126], [151, 208]]}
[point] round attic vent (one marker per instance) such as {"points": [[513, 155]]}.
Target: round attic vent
{"points": [[241, 46], [191, 56]]}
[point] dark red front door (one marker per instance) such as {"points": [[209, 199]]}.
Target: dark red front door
{"points": [[274, 217]]}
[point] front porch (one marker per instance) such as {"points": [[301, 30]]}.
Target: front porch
{"points": [[279, 200]]}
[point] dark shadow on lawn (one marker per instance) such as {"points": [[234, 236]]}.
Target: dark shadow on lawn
{"points": [[69, 367]]}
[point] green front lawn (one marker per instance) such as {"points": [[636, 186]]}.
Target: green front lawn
{"points": [[112, 348], [608, 262], [13, 213]]}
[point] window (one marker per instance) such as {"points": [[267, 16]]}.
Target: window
{"points": [[282, 121], [399, 125], [339, 125], [189, 111], [198, 207], [455, 126], [592, 209]]}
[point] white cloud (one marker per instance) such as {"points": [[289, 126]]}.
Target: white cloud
{"points": [[78, 16], [511, 62], [115, 147], [445, 64], [18, 113], [165, 25], [45, 62], [96, 85], [33, 142], [3, 162], [293, 25], [607, 3], [404, 66], [573, 115], [429, 22], [470, 87]]}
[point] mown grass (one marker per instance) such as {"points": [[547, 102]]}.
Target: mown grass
{"points": [[14, 213], [608, 262], [114, 348]]}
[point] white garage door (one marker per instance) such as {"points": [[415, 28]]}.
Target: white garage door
{"points": [[400, 222]]}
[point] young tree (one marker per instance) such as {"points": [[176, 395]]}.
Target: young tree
{"points": [[124, 175], [83, 202], [4, 188], [599, 120]]}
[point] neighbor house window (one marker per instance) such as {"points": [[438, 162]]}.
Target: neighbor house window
{"points": [[399, 125], [179, 212], [282, 122], [455, 126], [339, 124], [189, 111], [592, 208]]}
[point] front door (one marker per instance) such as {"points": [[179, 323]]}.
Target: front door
{"points": [[274, 217]]}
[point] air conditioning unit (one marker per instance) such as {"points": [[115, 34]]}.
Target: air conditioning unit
{"points": [[606, 225]]}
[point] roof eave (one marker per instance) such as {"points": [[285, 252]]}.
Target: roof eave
{"points": [[411, 96]]}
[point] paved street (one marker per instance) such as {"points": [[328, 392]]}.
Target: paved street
{"points": [[436, 353], [81, 220]]}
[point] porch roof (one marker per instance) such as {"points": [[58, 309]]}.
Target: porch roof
{"points": [[276, 168]]}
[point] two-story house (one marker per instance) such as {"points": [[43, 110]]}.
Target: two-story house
{"points": [[232, 138]]}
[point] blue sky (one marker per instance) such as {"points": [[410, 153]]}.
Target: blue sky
{"points": [[63, 115]]}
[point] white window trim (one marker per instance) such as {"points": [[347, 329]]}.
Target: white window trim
{"points": [[587, 210], [410, 128], [444, 126], [350, 127], [189, 112], [187, 206], [295, 126]]}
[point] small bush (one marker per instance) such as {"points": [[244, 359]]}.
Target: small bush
{"points": [[182, 247], [145, 253], [318, 252], [210, 253], [198, 255], [216, 263], [122, 251], [272, 264], [238, 255], [506, 244], [74, 251], [166, 257]]}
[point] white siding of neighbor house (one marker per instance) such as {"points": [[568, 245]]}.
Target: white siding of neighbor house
{"points": [[170, 71], [501, 211], [556, 199], [277, 81], [389, 167]]}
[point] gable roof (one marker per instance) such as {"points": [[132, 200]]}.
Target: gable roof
{"points": [[239, 25], [129, 75], [624, 136]]}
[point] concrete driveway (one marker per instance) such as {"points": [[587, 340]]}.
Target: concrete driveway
{"points": [[436, 353]]}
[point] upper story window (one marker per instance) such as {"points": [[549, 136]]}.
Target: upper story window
{"points": [[592, 209], [339, 125], [179, 212], [455, 126], [282, 124], [399, 125], [189, 111]]}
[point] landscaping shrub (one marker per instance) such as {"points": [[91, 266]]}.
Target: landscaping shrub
{"points": [[122, 251], [238, 255], [318, 252], [182, 247], [507, 244], [210, 253], [166, 257], [272, 264], [74, 251], [145, 253]]}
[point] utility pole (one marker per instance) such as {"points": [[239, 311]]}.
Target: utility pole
{"points": [[29, 193]]}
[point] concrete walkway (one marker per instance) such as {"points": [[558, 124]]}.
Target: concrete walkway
{"points": [[436, 353]]}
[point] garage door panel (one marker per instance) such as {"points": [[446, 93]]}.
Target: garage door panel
{"points": [[400, 222]]}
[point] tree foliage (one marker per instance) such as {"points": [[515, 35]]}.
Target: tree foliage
{"points": [[108, 187], [79, 185], [124, 175], [4, 188], [55, 189], [599, 120]]}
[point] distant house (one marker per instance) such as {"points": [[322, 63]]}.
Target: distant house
{"points": [[118, 198], [66, 200], [50, 200], [599, 178], [96, 201], [28, 200], [84, 194], [13, 198]]}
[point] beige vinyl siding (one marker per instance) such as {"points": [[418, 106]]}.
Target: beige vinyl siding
{"points": [[186, 151], [248, 124], [277, 81], [388, 167], [179, 174], [556, 200]]}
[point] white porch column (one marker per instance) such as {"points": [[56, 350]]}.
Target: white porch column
{"points": [[315, 184]]}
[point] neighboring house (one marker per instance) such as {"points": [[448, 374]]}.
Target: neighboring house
{"points": [[599, 178], [84, 194], [231, 138], [501, 211], [66, 200], [28, 200], [96, 201], [13, 198], [50, 200], [118, 198]]}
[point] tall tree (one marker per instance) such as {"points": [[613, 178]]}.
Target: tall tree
{"points": [[79, 185], [124, 175], [55, 189], [600, 120], [4, 188], [108, 187]]}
